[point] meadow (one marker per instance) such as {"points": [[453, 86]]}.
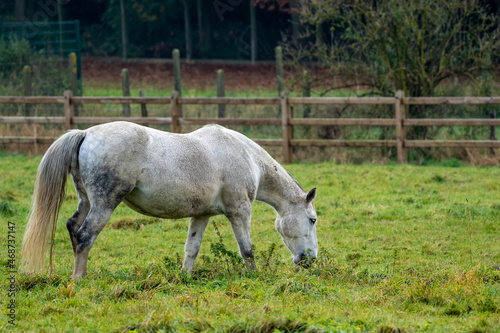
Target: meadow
{"points": [[402, 249]]}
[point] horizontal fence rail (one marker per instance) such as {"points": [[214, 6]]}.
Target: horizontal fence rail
{"points": [[400, 122]]}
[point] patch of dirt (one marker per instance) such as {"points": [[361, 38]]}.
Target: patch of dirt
{"points": [[198, 76]]}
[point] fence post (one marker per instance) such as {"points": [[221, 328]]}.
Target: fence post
{"points": [[492, 131], [175, 110], [73, 77], [69, 112], [279, 69], [144, 109], [28, 91], [400, 126], [286, 127], [176, 57], [126, 91], [306, 92], [73, 73], [221, 92]]}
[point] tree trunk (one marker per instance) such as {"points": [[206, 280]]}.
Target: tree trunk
{"points": [[20, 10], [319, 35], [187, 31], [123, 12], [28, 10], [295, 20], [201, 35], [253, 32], [61, 38], [207, 31]]}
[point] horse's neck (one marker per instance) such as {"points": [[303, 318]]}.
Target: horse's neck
{"points": [[277, 187]]}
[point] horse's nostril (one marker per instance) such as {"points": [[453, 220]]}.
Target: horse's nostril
{"points": [[306, 260]]}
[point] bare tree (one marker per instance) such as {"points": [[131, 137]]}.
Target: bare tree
{"points": [[378, 47], [388, 45]]}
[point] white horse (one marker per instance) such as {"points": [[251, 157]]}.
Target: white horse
{"points": [[208, 172]]}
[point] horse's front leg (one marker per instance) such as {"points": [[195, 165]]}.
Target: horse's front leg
{"points": [[197, 227], [240, 222]]}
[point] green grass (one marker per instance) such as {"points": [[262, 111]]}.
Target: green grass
{"points": [[151, 90], [401, 247]]}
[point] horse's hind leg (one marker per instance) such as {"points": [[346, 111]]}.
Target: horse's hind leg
{"points": [[86, 236], [76, 221], [105, 192], [197, 226], [105, 186]]}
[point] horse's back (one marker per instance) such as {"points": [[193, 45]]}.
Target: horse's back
{"points": [[201, 172], [171, 175], [212, 142]]}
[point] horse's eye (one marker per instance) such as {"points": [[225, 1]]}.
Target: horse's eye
{"points": [[312, 221]]}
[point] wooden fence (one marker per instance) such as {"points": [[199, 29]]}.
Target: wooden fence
{"points": [[286, 122]]}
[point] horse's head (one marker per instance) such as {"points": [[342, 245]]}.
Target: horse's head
{"points": [[297, 228]]}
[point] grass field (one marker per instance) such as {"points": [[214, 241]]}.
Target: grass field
{"points": [[402, 249]]}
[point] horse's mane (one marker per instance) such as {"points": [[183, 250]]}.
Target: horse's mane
{"points": [[296, 182]]}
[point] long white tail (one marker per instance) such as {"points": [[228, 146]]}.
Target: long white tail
{"points": [[48, 197]]}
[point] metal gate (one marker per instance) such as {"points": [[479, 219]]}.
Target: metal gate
{"points": [[50, 38]]}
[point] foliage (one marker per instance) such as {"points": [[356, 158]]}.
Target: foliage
{"points": [[389, 45], [157, 27], [14, 53], [49, 76], [219, 29], [402, 248], [148, 21]]}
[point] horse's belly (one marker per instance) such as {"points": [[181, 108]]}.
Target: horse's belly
{"points": [[173, 205]]}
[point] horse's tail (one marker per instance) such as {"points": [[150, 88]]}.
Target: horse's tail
{"points": [[48, 197]]}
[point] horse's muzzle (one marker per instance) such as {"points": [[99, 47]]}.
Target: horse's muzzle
{"points": [[304, 260]]}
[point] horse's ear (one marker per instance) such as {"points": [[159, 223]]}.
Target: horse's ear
{"points": [[311, 195]]}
